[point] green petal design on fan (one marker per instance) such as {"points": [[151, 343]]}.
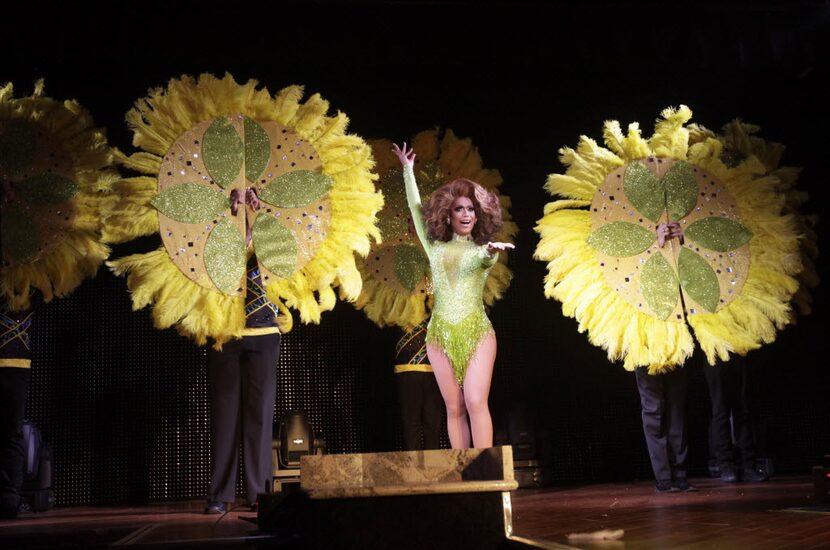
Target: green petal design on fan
{"points": [[46, 189], [257, 150], [223, 152], [720, 234], [275, 246], [681, 190], [411, 266], [621, 239], [392, 227], [19, 235], [17, 146], [644, 191], [191, 203], [225, 257], [393, 219], [698, 279], [296, 189], [659, 285]]}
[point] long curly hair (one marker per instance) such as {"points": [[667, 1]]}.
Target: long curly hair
{"points": [[438, 208]]}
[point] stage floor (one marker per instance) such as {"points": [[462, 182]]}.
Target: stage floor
{"points": [[779, 514]]}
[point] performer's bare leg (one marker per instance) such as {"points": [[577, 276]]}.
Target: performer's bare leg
{"points": [[458, 427], [477, 390]]}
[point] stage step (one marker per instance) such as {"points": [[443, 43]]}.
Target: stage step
{"points": [[413, 499]]}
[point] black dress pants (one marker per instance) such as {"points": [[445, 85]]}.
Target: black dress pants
{"points": [[242, 388], [14, 386], [421, 409], [730, 414], [663, 402]]}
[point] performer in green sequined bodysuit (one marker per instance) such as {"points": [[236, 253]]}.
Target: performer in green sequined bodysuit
{"points": [[459, 270], [455, 227]]}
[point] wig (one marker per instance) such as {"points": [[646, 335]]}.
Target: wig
{"points": [[438, 207]]}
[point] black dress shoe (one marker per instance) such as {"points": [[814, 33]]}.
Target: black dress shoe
{"points": [[682, 484], [728, 475], [752, 475], [665, 486], [215, 507]]}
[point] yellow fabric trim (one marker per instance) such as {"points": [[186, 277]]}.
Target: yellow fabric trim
{"points": [[412, 368], [16, 363], [259, 331]]}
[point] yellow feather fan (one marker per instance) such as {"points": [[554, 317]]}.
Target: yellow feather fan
{"points": [[654, 236], [207, 143], [56, 172]]}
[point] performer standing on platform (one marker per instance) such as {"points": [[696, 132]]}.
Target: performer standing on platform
{"points": [[455, 228], [242, 388], [418, 393]]}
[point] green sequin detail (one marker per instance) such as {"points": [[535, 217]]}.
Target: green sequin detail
{"points": [[659, 286], [458, 321], [225, 257], [698, 279], [720, 234], [459, 341], [17, 146], [644, 191], [257, 150], [681, 190], [191, 203], [19, 236], [430, 177], [410, 266], [223, 152], [275, 246], [621, 239], [296, 189], [46, 189], [393, 220]]}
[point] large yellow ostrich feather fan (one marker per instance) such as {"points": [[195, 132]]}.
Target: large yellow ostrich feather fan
{"points": [[652, 237], [56, 172], [205, 143]]}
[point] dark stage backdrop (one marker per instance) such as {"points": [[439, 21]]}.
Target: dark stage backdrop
{"points": [[124, 405]]}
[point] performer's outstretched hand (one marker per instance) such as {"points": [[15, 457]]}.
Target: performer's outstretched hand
{"points": [[492, 247], [406, 156]]}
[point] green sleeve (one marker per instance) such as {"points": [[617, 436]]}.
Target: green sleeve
{"points": [[414, 200], [487, 259]]}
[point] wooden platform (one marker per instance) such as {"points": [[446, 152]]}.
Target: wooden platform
{"points": [[777, 514]]}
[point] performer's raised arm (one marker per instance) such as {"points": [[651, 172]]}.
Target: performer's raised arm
{"points": [[407, 157]]}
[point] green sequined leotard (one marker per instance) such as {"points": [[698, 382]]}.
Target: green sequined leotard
{"points": [[459, 271]]}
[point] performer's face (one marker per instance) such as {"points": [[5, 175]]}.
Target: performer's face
{"points": [[462, 216]]}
